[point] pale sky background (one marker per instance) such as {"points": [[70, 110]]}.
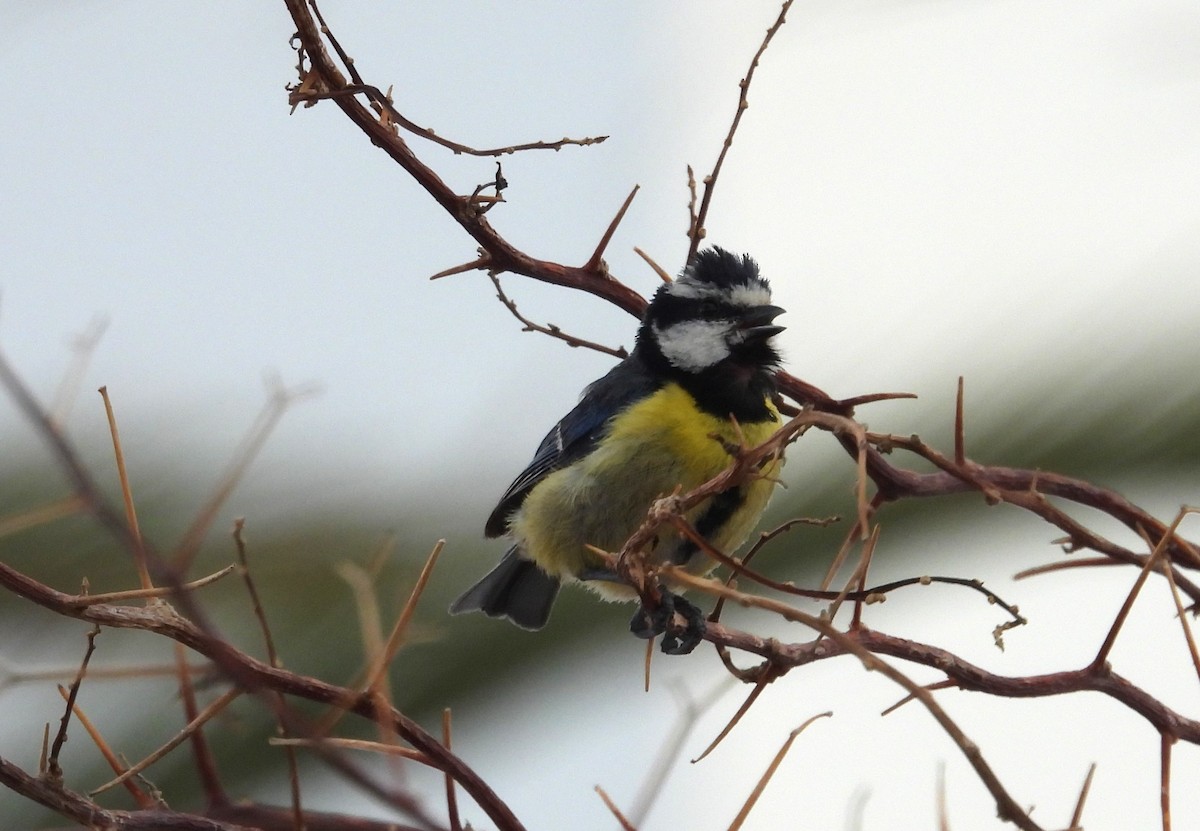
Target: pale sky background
{"points": [[1001, 190]]}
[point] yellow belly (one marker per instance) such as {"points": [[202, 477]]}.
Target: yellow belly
{"points": [[660, 443]]}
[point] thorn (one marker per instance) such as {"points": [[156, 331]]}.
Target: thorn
{"points": [[483, 262], [960, 453], [593, 263], [658, 269]]}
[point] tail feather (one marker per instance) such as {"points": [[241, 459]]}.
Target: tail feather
{"points": [[516, 589]]}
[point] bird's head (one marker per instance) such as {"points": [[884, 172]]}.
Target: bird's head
{"points": [[712, 328], [718, 311]]}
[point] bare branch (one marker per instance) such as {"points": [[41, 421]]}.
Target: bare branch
{"points": [[551, 329], [697, 231], [322, 73], [770, 771], [53, 771]]}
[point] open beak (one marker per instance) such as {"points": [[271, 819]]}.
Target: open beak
{"points": [[757, 323]]}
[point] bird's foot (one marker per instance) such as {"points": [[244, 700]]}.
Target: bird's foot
{"points": [[677, 639]]}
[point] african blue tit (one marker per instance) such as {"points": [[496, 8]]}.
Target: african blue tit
{"points": [[703, 359]]}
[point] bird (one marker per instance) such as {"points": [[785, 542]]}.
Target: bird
{"points": [[699, 378]]}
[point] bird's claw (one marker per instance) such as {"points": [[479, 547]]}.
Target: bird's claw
{"points": [[677, 640]]}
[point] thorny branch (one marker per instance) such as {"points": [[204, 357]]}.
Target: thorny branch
{"points": [[318, 70], [550, 329], [634, 564], [193, 629], [893, 483], [322, 78], [254, 674]]}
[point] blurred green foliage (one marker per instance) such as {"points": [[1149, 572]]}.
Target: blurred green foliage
{"points": [[1123, 425]]}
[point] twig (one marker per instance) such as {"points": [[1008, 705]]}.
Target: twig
{"points": [[281, 729], [278, 401], [40, 516], [206, 763], [937, 685], [764, 679], [766, 536], [1065, 565], [869, 398], [83, 346], [197, 633], [671, 750], [596, 261], [90, 815], [10, 675], [697, 231], [153, 591], [647, 662], [853, 535], [871, 594], [693, 218], [616, 812], [139, 552], [1183, 621], [353, 744], [53, 770], [378, 665], [222, 701], [770, 771], [1077, 815], [550, 329], [858, 580], [658, 269], [451, 793], [942, 810], [1028, 489], [1151, 561], [1166, 743], [479, 263], [960, 441], [1007, 807], [140, 797], [383, 104], [965, 675], [323, 74]]}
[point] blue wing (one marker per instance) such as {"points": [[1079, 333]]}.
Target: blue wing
{"points": [[577, 434]]}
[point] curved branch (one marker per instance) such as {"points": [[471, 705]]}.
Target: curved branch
{"points": [[238, 817], [253, 674], [966, 675], [503, 255], [81, 809], [893, 483]]}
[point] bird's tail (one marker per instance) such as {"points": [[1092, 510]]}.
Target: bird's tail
{"points": [[516, 589]]}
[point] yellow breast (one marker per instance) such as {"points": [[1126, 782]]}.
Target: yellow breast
{"points": [[659, 444], [686, 431]]}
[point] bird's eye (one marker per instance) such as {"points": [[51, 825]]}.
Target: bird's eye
{"points": [[711, 309]]}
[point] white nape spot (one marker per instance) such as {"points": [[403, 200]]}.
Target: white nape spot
{"points": [[686, 288], [743, 294], [754, 294], [694, 345]]}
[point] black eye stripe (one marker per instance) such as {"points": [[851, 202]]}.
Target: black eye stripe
{"points": [[668, 310], [713, 309]]}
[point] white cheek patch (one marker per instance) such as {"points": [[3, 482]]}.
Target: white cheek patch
{"points": [[694, 344]]}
